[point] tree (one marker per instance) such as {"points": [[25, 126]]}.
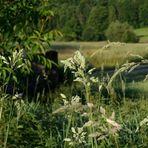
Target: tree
{"points": [[125, 11], [97, 23], [129, 12], [83, 10], [143, 14], [25, 24], [121, 32], [114, 10]]}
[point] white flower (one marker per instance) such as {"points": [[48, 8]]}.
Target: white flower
{"points": [[65, 102], [78, 136], [73, 130], [91, 70], [88, 124], [90, 105], [114, 124], [93, 79], [67, 139], [63, 96], [144, 121], [100, 88], [80, 130], [75, 100], [102, 110]]}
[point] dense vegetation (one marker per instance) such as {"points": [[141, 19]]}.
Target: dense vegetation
{"points": [[89, 113], [121, 32], [25, 24], [88, 19], [77, 20], [92, 109]]}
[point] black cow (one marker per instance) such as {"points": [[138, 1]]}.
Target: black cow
{"points": [[41, 80]]}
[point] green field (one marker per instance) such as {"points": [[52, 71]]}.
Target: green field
{"points": [[94, 94], [86, 113], [102, 53], [109, 56], [143, 34]]}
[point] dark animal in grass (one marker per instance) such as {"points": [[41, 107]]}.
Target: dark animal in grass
{"points": [[42, 79]]}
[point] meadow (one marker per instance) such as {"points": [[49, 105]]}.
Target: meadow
{"points": [[108, 56], [100, 96], [143, 34], [102, 53], [94, 110]]}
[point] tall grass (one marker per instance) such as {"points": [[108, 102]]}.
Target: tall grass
{"points": [[71, 122], [114, 53]]}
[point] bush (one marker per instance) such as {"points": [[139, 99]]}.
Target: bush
{"points": [[121, 32]]}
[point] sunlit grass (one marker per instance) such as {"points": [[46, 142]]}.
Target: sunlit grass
{"points": [[143, 34], [118, 54], [142, 31], [108, 57], [71, 123]]}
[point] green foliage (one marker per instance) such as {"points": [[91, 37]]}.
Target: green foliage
{"points": [[11, 65], [25, 24], [121, 32], [70, 123], [96, 24], [142, 33], [133, 12], [87, 19], [72, 29], [25, 32], [143, 14]]}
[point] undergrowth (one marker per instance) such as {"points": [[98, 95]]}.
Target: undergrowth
{"points": [[82, 115]]}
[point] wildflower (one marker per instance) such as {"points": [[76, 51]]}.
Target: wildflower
{"points": [[98, 136], [144, 121], [85, 114], [67, 139], [88, 124], [65, 102], [63, 96], [90, 105], [78, 137], [100, 88], [102, 110], [94, 80], [115, 125], [75, 100], [91, 70]]}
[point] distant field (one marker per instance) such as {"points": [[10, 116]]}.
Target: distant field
{"points": [[143, 34], [108, 56], [113, 54], [67, 49]]}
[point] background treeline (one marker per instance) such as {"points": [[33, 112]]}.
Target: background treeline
{"points": [[88, 19], [77, 19]]}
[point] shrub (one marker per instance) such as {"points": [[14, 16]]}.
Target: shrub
{"points": [[121, 32]]}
